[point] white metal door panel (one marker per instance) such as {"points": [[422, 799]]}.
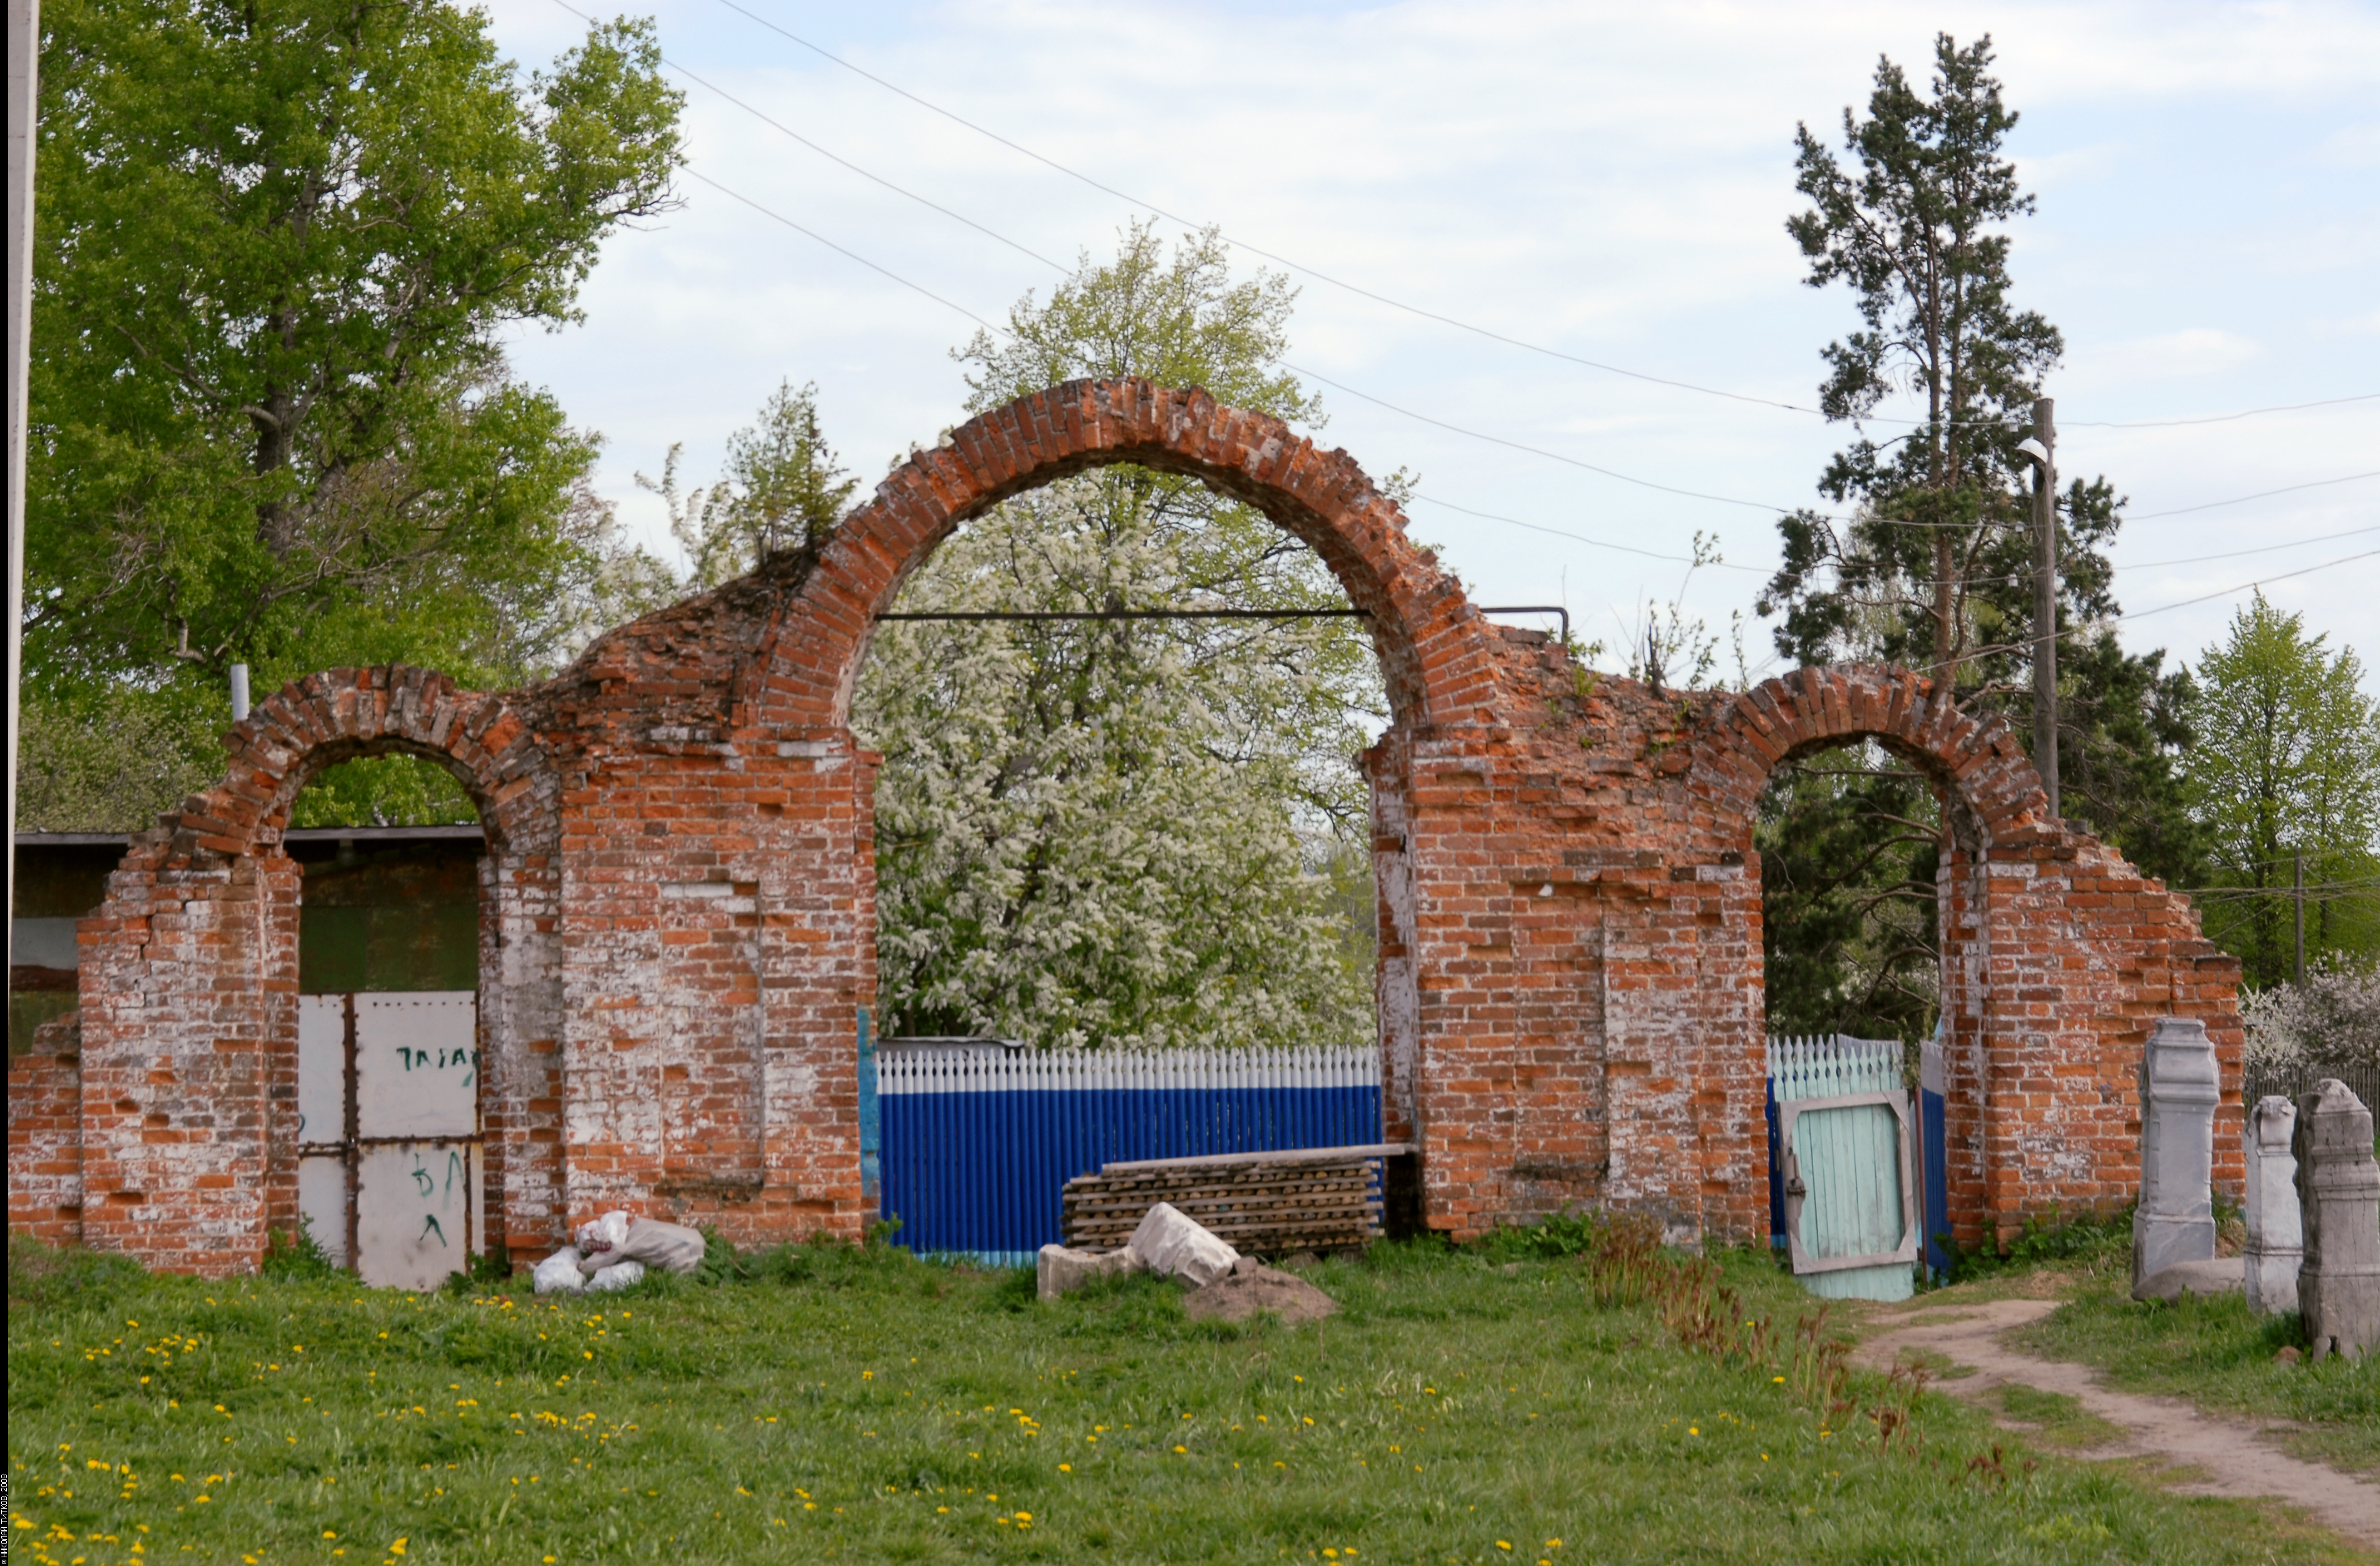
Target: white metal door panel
{"points": [[322, 1074], [413, 1216], [417, 1064], [323, 1198]]}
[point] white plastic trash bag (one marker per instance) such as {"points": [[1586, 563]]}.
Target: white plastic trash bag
{"points": [[598, 1235], [1173, 1245], [617, 1237], [619, 1275], [559, 1274]]}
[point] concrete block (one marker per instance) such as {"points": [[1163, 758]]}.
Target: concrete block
{"points": [[1059, 1271], [2276, 1234], [2175, 1222], [2224, 1275], [2338, 1191]]}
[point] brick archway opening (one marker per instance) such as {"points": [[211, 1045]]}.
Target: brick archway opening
{"points": [[2056, 955], [1437, 657], [220, 901]]}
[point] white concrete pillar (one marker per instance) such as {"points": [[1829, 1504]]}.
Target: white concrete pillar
{"points": [[2180, 1089], [2276, 1234]]}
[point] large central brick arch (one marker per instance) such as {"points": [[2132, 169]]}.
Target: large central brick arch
{"points": [[1435, 653]]}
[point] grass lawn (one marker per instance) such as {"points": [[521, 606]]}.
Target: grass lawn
{"points": [[864, 1406]]}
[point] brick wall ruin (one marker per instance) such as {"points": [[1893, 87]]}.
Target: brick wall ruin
{"points": [[678, 907]]}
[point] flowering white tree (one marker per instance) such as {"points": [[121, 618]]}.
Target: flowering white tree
{"points": [[2331, 1019], [1127, 831]]}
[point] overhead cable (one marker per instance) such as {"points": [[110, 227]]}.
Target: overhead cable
{"points": [[2010, 422], [854, 255], [2261, 494], [1582, 538], [1350, 390], [2088, 627], [1557, 456]]}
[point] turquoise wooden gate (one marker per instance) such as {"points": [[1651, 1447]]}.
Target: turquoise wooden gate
{"points": [[1845, 1145]]}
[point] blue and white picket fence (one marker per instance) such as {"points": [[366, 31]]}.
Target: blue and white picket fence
{"points": [[979, 1141], [1834, 1065]]}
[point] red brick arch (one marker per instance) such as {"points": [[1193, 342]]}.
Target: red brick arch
{"points": [[1991, 793], [388, 710], [1435, 653]]}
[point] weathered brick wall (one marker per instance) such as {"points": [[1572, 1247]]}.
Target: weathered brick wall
{"points": [[45, 1134], [679, 918], [189, 973], [1588, 902]]}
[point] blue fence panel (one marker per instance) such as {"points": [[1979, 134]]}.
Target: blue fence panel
{"points": [[1776, 1170], [979, 1141], [1936, 1147]]}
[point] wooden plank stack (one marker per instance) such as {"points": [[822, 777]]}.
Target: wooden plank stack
{"points": [[1261, 1204]]}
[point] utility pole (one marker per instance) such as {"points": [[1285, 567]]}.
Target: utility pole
{"points": [[2297, 896], [24, 37], [2045, 600]]}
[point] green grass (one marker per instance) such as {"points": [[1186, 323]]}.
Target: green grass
{"points": [[864, 1407], [2060, 1417], [2216, 1354]]}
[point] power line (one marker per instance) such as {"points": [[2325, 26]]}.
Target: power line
{"points": [[1065, 615], [2243, 586], [1539, 451], [2212, 418], [2261, 495], [1455, 429], [2089, 627], [1073, 615], [854, 255], [1451, 320], [1535, 451], [2311, 888], [993, 235], [1582, 538], [2010, 577]]}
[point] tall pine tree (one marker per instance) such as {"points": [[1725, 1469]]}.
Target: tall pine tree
{"points": [[1929, 560]]}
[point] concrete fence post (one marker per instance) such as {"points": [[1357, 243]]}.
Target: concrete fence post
{"points": [[2276, 1231], [2179, 1090], [2338, 1188]]}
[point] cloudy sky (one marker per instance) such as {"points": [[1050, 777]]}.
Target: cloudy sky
{"points": [[1608, 181]]}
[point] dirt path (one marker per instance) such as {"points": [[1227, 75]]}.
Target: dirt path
{"points": [[2230, 1455]]}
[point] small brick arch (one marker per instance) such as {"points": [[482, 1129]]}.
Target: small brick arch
{"points": [[343, 714], [1992, 793], [1435, 654]]}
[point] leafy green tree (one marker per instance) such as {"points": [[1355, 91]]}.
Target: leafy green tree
{"points": [[783, 491], [1127, 831], [2288, 761], [1931, 564], [271, 420]]}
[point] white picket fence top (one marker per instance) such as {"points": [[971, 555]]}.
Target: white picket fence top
{"points": [[989, 1068], [1830, 1065]]}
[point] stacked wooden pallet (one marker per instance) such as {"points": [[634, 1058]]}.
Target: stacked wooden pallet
{"points": [[1263, 1204]]}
